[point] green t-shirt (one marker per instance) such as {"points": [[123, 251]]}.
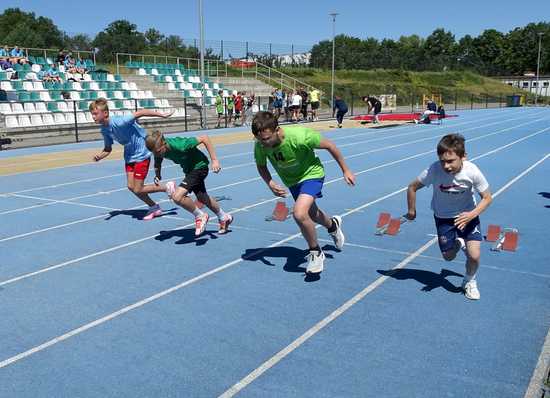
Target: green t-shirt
{"points": [[230, 103], [294, 159], [183, 151], [219, 104]]}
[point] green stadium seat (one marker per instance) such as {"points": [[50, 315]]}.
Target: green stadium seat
{"points": [[24, 96]]}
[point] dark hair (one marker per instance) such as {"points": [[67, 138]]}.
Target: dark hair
{"points": [[264, 121], [452, 143]]}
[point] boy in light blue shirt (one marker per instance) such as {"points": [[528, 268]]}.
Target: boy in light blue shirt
{"points": [[126, 131]]}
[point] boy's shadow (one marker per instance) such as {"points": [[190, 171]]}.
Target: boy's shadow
{"points": [[138, 214], [294, 258], [186, 235], [429, 279], [547, 196]]}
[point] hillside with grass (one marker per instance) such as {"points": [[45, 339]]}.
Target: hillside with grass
{"points": [[405, 84]]}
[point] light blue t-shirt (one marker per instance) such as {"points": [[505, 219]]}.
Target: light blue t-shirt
{"points": [[3, 53], [16, 53], [126, 131]]}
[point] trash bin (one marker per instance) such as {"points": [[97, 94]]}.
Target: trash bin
{"points": [[513, 100]]}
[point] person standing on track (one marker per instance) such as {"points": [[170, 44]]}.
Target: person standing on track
{"points": [[373, 104]]}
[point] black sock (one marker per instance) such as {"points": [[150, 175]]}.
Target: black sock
{"points": [[332, 227]]}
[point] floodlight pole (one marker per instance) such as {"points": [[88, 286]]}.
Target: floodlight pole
{"points": [[203, 93], [333, 15], [538, 70]]}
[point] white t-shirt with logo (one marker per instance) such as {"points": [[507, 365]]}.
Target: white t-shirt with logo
{"points": [[453, 193]]}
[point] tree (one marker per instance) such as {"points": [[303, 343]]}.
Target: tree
{"points": [[120, 36], [25, 30], [439, 48], [153, 37]]}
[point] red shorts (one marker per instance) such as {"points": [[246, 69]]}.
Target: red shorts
{"points": [[140, 169]]}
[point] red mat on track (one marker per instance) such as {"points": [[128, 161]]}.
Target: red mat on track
{"points": [[396, 116]]}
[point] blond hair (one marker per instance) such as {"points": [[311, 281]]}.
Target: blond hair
{"points": [[100, 104], [154, 141]]}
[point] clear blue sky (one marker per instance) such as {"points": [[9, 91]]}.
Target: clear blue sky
{"points": [[292, 21]]}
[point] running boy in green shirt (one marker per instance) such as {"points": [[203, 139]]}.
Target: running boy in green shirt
{"points": [[290, 150], [184, 151]]}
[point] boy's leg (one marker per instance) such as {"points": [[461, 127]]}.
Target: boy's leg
{"points": [[332, 224], [472, 235], [302, 217], [224, 219], [136, 186]]}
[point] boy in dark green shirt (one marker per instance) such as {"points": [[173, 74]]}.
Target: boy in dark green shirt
{"points": [[194, 163], [290, 150]]}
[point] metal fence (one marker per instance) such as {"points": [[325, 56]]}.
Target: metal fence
{"points": [[189, 117]]}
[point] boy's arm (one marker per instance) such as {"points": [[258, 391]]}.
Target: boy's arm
{"points": [[103, 154], [464, 218], [205, 140], [148, 112], [411, 199], [266, 176], [349, 177], [158, 168]]}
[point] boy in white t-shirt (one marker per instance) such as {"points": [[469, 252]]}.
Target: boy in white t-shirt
{"points": [[454, 180]]}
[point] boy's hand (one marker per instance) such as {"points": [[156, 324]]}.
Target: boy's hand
{"points": [[349, 177], [216, 166], [168, 114], [411, 215], [463, 219], [277, 189]]}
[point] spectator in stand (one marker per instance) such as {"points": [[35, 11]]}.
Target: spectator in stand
{"points": [[6, 65], [60, 59], [249, 110], [288, 104], [315, 100], [17, 56], [81, 66], [53, 74], [4, 53]]}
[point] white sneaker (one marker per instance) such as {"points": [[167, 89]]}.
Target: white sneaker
{"points": [[338, 235], [315, 262], [170, 188], [470, 290]]}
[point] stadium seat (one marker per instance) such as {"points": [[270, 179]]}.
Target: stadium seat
{"points": [[24, 121], [81, 117], [5, 107], [59, 118], [45, 96], [36, 120], [28, 107], [17, 107], [47, 119], [6, 86], [11, 122], [41, 107]]}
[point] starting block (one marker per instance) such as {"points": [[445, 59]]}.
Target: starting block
{"points": [[502, 238], [280, 213], [388, 225]]}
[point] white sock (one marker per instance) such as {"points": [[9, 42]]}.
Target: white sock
{"points": [[197, 212], [221, 215], [469, 278]]}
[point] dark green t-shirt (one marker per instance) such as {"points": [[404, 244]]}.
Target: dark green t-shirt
{"points": [[183, 151], [294, 158]]}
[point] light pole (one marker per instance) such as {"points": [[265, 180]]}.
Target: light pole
{"points": [[538, 70], [333, 15], [203, 96]]}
